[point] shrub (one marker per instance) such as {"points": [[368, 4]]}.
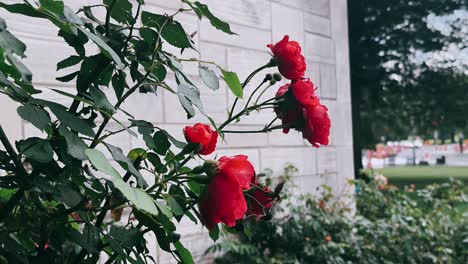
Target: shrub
{"points": [[389, 226]]}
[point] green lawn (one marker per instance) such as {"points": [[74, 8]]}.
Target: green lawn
{"points": [[422, 175]]}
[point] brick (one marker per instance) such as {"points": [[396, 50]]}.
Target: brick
{"points": [[252, 13], [247, 37], [278, 138], [317, 24], [308, 184], [287, 21], [319, 7], [344, 135], [340, 34], [242, 140], [326, 160], [320, 47], [276, 159], [213, 52], [328, 81], [313, 72], [147, 106]]}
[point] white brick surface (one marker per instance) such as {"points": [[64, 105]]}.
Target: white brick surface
{"points": [[287, 21], [252, 13], [320, 26]]}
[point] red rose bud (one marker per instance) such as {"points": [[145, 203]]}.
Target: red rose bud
{"points": [[203, 135], [317, 125], [223, 200], [259, 201], [304, 92], [328, 239], [291, 63]]}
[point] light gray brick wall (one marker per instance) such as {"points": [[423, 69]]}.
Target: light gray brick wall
{"points": [[320, 26]]}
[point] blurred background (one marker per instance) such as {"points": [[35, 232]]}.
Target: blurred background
{"points": [[409, 77]]}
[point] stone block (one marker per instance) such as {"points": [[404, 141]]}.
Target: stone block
{"points": [[277, 159], [319, 46], [317, 24], [252, 13], [247, 37], [287, 21], [328, 81]]}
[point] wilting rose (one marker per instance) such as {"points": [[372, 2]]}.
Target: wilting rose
{"points": [[202, 134], [317, 124], [291, 63], [259, 201], [223, 200]]}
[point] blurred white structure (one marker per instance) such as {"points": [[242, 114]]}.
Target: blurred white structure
{"points": [[320, 26]]}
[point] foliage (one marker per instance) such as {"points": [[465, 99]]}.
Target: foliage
{"points": [[393, 95], [388, 226], [71, 196]]}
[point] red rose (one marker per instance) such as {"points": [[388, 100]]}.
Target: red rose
{"points": [[317, 124], [259, 202], [328, 239], [240, 167], [304, 92], [291, 63], [289, 112], [202, 134], [223, 200]]}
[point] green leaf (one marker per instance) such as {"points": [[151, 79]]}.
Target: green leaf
{"points": [[71, 120], [126, 163], [171, 30], [233, 83], [161, 143], [37, 149], [165, 210], [121, 11], [68, 62], [128, 237], [53, 6], [214, 233], [35, 115], [87, 240], [67, 77], [75, 145], [145, 129], [100, 100], [183, 253], [9, 43], [108, 51], [188, 96], [23, 9], [209, 78], [101, 163], [136, 196], [118, 83], [175, 207], [202, 10]]}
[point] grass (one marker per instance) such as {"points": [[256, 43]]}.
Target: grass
{"points": [[422, 175]]}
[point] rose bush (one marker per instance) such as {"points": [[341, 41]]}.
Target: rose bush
{"points": [[72, 197]]}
